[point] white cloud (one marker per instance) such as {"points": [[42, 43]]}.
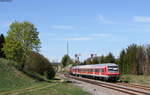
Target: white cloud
{"points": [[62, 27], [89, 37], [141, 19], [103, 20], [102, 35], [78, 39]]}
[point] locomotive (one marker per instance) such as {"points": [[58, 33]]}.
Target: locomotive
{"points": [[106, 71]]}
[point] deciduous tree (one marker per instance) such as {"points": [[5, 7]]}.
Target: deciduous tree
{"points": [[66, 60], [22, 38]]}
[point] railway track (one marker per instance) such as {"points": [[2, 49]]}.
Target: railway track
{"points": [[135, 86], [134, 90]]}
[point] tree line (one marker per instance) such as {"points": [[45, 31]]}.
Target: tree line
{"points": [[135, 59]]}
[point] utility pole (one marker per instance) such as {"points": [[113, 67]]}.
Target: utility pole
{"points": [[67, 48]]}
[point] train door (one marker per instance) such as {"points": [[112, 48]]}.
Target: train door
{"points": [[97, 71], [94, 71], [91, 71]]}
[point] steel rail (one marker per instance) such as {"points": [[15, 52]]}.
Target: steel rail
{"points": [[135, 86], [111, 86]]}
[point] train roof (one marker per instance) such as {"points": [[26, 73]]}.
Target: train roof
{"points": [[96, 65]]}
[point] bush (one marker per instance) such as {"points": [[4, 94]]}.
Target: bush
{"points": [[39, 64], [50, 74]]}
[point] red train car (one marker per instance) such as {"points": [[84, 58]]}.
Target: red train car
{"points": [[109, 71]]}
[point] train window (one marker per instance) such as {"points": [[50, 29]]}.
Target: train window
{"points": [[90, 70], [112, 66], [96, 70], [113, 69]]}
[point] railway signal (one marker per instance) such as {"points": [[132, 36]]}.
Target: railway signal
{"points": [[77, 60]]}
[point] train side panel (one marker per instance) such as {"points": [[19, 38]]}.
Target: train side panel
{"points": [[104, 71]]}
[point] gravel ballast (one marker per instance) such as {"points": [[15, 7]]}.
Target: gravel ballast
{"points": [[94, 89]]}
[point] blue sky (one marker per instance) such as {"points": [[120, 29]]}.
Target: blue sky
{"points": [[90, 26]]}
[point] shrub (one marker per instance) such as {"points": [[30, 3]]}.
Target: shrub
{"points": [[50, 74], [39, 64]]}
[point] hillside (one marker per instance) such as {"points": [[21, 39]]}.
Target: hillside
{"points": [[14, 82], [10, 78]]}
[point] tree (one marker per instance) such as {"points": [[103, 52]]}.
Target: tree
{"points": [[88, 61], [110, 58], [142, 63], [131, 59], [148, 53], [22, 38], [148, 56], [122, 62], [102, 59], [95, 60], [2, 41], [66, 61]]}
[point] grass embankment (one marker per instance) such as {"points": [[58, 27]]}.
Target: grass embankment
{"points": [[138, 79], [10, 78], [14, 82]]}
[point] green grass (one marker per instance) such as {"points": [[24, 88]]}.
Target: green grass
{"points": [[15, 82], [54, 89], [10, 78], [139, 79]]}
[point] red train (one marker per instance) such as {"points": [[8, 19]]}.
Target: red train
{"points": [[109, 71]]}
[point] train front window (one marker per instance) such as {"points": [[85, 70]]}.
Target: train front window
{"points": [[113, 69]]}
